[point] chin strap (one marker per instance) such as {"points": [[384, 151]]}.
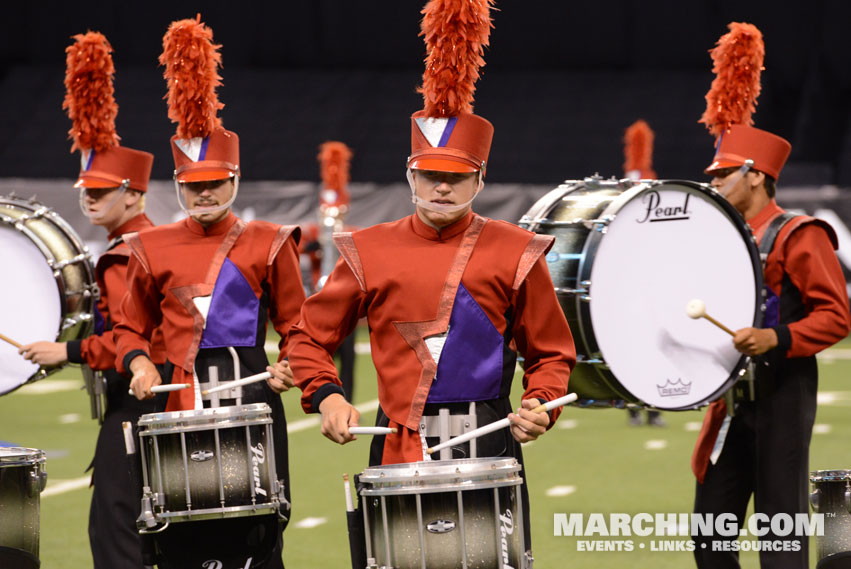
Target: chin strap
{"points": [[437, 207], [734, 178], [202, 210], [104, 210]]}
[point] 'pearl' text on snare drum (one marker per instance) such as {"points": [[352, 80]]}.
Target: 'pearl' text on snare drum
{"points": [[258, 457], [507, 529], [655, 211]]}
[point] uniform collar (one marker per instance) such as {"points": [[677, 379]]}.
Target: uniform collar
{"points": [[135, 223], [770, 210], [444, 233], [218, 228]]}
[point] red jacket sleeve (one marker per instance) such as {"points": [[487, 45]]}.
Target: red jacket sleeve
{"points": [[140, 314], [327, 318], [543, 337], [98, 351], [812, 266], [286, 291]]}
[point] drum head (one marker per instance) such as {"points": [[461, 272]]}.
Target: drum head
{"points": [[668, 244], [31, 310]]}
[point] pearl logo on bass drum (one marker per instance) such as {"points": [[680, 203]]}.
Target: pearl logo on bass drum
{"points": [[655, 210]]}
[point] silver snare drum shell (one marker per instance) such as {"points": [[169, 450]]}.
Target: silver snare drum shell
{"points": [[444, 514], [22, 478], [206, 464], [831, 496]]}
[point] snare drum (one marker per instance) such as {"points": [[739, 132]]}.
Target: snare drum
{"points": [[22, 478], [831, 496], [48, 283], [209, 463], [444, 514], [627, 259]]}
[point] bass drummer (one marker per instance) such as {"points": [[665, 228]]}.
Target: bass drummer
{"points": [[212, 281], [113, 180], [763, 448], [449, 296]]}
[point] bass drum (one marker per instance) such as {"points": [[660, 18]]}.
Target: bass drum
{"points": [[48, 285], [628, 257]]}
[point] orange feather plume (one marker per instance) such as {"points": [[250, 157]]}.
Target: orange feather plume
{"points": [[638, 149], [89, 94], [191, 62], [737, 63], [456, 33], [334, 161]]}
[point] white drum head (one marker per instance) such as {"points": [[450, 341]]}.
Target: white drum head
{"points": [[666, 246], [31, 310]]}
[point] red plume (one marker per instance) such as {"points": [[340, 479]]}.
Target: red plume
{"points": [[638, 149], [456, 33], [334, 160], [191, 62], [738, 59], [89, 93]]}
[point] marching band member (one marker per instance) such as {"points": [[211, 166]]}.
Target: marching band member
{"points": [[447, 294], [763, 448], [211, 281], [113, 180]]}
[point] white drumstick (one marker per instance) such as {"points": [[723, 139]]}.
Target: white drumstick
{"points": [[372, 430], [238, 383], [696, 308], [501, 424], [350, 505], [165, 388]]}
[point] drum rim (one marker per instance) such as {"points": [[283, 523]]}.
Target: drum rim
{"points": [[175, 419], [584, 273], [838, 475], [25, 457], [411, 472]]}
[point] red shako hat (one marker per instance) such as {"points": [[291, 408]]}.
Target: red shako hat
{"points": [[638, 151]]}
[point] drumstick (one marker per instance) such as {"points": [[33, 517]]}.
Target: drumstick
{"points": [[501, 424], [238, 383], [697, 309], [372, 430], [11, 341], [350, 505], [165, 388]]}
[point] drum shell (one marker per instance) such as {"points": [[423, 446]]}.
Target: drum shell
{"points": [[22, 478], [831, 496], [196, 477], [430, 514]]}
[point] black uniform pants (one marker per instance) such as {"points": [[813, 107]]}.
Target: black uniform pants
{"points": [[766, 454]]}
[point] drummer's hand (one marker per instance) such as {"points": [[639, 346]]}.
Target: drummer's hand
{"points": [[337, 416], [145, 376], [755, 341], [45, 353], [526, 425], [282, 376]]}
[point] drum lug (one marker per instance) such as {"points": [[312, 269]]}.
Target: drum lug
{"points": [[585, 298], [371, 564], [814, 499], [528, 560], [848, 497], [36, 483], [147, 519]]}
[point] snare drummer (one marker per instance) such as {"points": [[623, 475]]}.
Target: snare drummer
{"points": [[113, 180], [448, 295], [212, 281], [763, 449]]}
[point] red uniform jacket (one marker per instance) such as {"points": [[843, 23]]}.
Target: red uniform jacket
{"points": [[98, 350], [173, 264], [409, 281], [803, 250]]}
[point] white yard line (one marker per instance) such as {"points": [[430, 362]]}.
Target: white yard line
{"points": [[313, 420], [63, 486]]}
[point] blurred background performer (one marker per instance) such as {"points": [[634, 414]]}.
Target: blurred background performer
{"points": [[445, 292], [211, 280], [113, 180], [317, 244], [638, 165], [763, 448]]}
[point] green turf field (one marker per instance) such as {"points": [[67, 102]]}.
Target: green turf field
{"points": [[592, 461]]}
